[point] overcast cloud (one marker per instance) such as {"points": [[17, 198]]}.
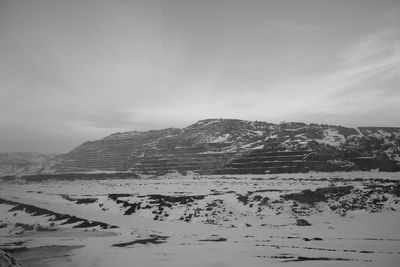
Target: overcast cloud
{"points": [[72, 71]]}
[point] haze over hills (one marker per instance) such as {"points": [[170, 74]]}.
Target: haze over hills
{"points": [[26, 163], [231, 146]]}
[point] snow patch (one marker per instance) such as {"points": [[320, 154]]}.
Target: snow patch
{"points": [[332, 137], [218, 139]]}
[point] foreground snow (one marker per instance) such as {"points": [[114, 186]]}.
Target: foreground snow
{"points": [[249, 220]]}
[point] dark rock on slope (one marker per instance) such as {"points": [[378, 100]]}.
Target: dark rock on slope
{"points": [[320, 194], [302, 222], [56, 217]]}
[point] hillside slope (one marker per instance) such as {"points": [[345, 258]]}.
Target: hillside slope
{"points": [[230, 146]]}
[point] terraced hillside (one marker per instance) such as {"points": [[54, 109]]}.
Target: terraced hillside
{"points": [[110, 153], [229, 146]]}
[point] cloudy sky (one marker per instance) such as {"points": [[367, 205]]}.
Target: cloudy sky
{"points": [[72, 71]]}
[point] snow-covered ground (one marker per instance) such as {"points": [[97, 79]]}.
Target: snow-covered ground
{"points": [[231, 220]]}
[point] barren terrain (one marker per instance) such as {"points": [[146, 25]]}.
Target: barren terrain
{"points": [[321, 219]]}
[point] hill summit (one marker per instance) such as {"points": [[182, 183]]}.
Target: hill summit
{"points": [[232, 146]]}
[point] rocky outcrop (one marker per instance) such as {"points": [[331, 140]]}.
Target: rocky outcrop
{"points": [[302, 222], [320, 194]]}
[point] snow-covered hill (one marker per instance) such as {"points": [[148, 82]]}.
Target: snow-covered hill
{"points": [[237, 146]]}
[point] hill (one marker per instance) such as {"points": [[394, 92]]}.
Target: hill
{"points": [[231, 146]]}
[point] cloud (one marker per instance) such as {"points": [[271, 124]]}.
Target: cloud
{"points": [[290, 25], [368, 72], [380, 49], [114, 119], [365, 82], [68, 73]]}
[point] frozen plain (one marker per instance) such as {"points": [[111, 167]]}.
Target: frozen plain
{"points": [[193, 220]]}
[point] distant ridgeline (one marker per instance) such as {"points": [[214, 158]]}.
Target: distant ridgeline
{"points": [[229, 146]]}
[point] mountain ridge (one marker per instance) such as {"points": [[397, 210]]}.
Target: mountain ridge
{"points": [[223, 146]]}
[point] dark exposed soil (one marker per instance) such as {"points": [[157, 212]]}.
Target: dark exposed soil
{"points": [[243, 199], [155, 239], [77, 176], [312, 239], [116, 196], [14, 249], [79, 200], [36, 211], [302, 222], [132, 207], [7, 260], [85, 200], [221, 239], [165, 200], [37, 256], [87, 224], [319, 195], [302, 258]]}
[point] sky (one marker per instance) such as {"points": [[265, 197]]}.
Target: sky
{"points": [[72, 71]]}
